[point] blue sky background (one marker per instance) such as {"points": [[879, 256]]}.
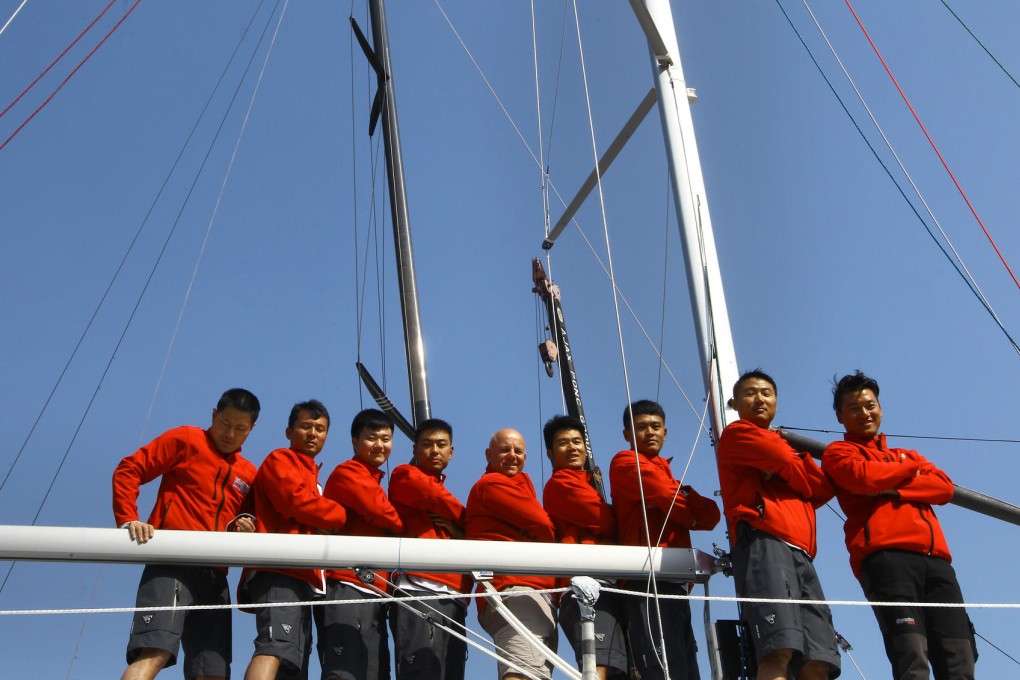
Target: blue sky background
{"points": [[826, 268]]}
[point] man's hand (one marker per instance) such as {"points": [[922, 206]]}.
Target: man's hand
{"points": [[450, 526], [140, 531], [244, 524]]}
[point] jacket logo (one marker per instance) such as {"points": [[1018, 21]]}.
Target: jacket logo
{"points": [[241, 485], [906, 620]]}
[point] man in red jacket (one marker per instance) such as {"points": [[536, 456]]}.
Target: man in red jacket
{"points": [[203, 481], [425, 651], [503, 506], [581, 516], [287, 500], [644, 489], [354, 640], [896, 545], [770, 493]]}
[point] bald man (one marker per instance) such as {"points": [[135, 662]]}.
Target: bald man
{"points": [[503, 506]]}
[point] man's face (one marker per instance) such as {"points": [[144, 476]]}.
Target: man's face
{"points": [[433, 451], [755, 400], [308, 435], [373, 447], [229, 429], [567, 450], [860, 413], [506, 452], [650, 432]]}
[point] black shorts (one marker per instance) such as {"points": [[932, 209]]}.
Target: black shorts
{"points": [[283, 632], [355, 645], [610, 647], [644, 616], [204, 634], [425, 651], [766, 567]]}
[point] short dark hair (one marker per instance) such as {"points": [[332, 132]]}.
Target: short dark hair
{"points": [[370, 419], [642, 407], [433, 425], [852, 382], [241, 400], [313, 407], [751, 375], [557, 424]]}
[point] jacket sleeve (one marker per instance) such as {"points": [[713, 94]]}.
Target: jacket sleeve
{"points": [[660, 490], [504, 498], [411, 487], [745, 444], [573, 500], [362, 494], [931, 485], [292, 497], [822, 490], [705, 510], [141, 467], [849, 469]]}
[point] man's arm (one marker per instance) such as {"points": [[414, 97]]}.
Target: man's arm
{"points": [[822, 490], [292, 496], [849, 469], [411, 487], [705, 510], [141, 467], [363, 495], [658, 489], [571, 499], [745, 444], [930, 484]]}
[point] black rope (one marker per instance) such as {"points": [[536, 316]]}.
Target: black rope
{"points": [[915, 436], [895, 182], [980, 44], [997, 648]]}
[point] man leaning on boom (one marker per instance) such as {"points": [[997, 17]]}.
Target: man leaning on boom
{"points": [[770, 493], [203, 481], [503, 506], [897, 549]]}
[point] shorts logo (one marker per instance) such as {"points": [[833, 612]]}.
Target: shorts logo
{"points": [[601, 637], [906, 620], [241, 485], [286, 628], [147, 618], [771, 618]]}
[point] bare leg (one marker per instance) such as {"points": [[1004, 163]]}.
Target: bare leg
{"points": [[147, 665], [814, 670], [262, 667], [773, 666]]}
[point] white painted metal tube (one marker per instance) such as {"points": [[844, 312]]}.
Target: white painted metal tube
{"points": [[77, 544]]}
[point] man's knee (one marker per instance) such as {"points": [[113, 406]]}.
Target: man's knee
{"points": [[146, 664], [955, 658], [908, 654]]}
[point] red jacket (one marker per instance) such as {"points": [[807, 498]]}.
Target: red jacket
{"points": [[415, 494], [288, 501], [200, 490], [356, 486], [576, 510], [769, 485], [860, 468], [502, 508], [670, 514]]}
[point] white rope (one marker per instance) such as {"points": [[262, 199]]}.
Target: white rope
{"points": [[899, 162], [12, 16]]}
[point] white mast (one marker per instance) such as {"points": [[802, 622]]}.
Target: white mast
{"points": [[708, 303]]}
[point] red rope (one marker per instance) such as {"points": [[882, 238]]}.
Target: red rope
{"points": [[932, 143], [71, 74], [59, 57]]}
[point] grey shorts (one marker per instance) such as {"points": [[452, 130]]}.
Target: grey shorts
{"points": [[283, 632], [204, 634], [766, 567], [537, 616], [610, 646]]}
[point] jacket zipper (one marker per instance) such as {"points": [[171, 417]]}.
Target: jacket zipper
{"points": [[222, 487]]}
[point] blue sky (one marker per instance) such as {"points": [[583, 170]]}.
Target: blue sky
{"points": [[826, 269]]}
